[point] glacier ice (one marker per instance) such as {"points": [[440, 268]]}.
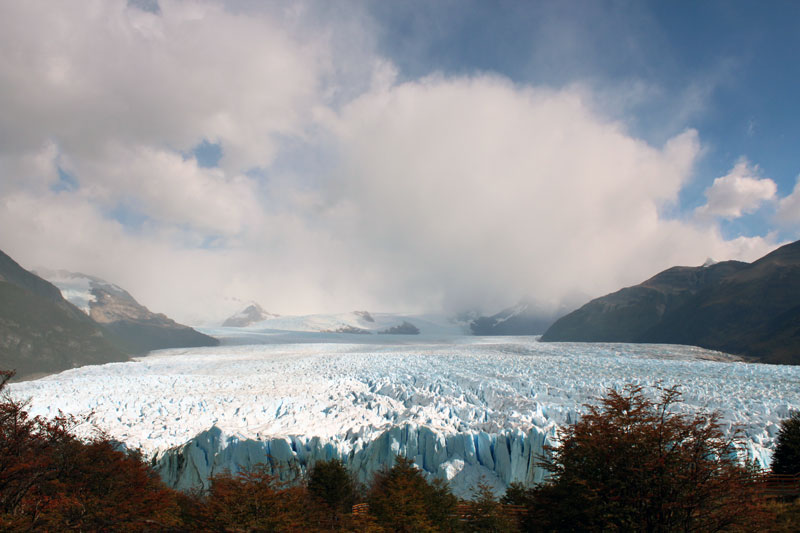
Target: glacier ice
{"points": [[464, 408]]}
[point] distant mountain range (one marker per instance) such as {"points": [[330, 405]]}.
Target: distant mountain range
{"points": [[362, 323], [76, 320], [750, 309]]}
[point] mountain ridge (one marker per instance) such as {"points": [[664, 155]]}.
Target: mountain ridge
{"points": [[750, 309]]}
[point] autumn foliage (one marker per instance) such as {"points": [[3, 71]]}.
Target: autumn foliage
{"points": [[50, 480], [635, 464]]}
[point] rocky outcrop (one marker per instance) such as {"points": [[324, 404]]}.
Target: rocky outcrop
{"points": [[750, 309], [364, 315], [461, 458], [406, 328], [349, 329]]}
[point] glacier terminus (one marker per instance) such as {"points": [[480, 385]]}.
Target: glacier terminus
{"points": [[464, 408]]}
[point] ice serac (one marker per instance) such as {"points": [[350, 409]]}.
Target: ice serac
{"points": [[462, 459]]}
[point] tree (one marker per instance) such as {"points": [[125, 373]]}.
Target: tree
{"points": [[50, 480], [786, 459], [402, 500], [634, 464], [333, 489], [255, 500], [486, 514], [331, 483]]}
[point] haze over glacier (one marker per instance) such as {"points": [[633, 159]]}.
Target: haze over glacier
{"points": [[463, 407]]}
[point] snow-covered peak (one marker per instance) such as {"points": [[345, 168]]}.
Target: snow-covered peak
{"points": [[249, 315], [77, 288]]}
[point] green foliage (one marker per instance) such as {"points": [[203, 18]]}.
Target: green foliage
{"points": [[331, 483], [786, 459], [635, 465], [486, 514], [517, 494], [402, 500]]}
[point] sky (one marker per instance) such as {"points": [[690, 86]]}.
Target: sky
{"points": [[411, 156]]}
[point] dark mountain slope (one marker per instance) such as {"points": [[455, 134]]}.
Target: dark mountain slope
{"points": [[132, 326], [12, 273], [748, 309], [40, 332]]}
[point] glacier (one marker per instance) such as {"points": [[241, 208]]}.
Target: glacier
{"points": [[464, 408]]}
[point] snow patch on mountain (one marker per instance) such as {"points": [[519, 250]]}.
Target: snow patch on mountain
{"points": [[80, 290], [75, 288]]}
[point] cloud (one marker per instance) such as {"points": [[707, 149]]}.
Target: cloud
{"points": [[190, 72], [788, 213], [739, 192], [473, 191], [170, 188], [342, 184]]}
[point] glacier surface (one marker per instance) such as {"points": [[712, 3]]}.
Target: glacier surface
{"points": [[464, 408]]}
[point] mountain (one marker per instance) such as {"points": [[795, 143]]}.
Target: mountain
{"points": [[361, 323], [41, 332], [751, 309], [132, 326], [406, 328], [522, 319], [249, 315]]}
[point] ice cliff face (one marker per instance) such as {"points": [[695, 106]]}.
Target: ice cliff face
{"points": [[464, 459], [463, 407]]}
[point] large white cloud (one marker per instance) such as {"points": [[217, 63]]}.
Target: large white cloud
{"points": [[473, 190], [739, 192], [193, 71], [445, 192]]}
